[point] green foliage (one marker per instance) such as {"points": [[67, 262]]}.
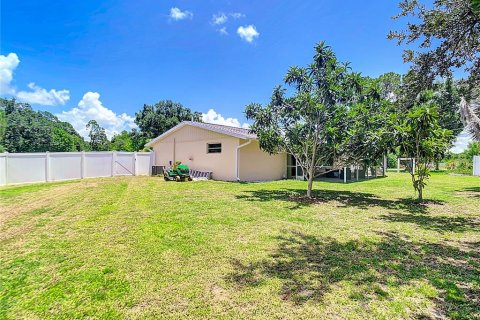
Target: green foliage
{"points": [[370, 124], [476, 5], [98, 137], [310, 124], [473, 149], [128, 141], [390, 84], [448, 37], [27, 130], [420, 136], [138, 140], [463, 162], [122, 142], [392, 160], [153, 120], [3, 127], [447, 97]]}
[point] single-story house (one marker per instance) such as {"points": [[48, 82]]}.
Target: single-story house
{"points": [[229, 153]]}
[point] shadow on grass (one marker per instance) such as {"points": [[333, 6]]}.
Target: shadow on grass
{"points": [[310, 267], [473, 192], [345, 198], [437, 223]]}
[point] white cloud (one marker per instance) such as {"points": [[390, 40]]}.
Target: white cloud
{"points": [[223, 30], [37, 95], [248, 33], [219, 18], [91, 108], [461, 143], [8, 63], [177, 14], [237, 15], [213, 117]]}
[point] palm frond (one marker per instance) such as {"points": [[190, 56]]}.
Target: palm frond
{"points": [[470, 112]]}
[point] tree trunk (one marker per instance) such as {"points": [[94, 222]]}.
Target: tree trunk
{"points": [[420, 194], [437, 165], [310, 182]]}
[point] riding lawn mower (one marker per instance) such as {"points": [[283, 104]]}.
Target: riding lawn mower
{"points": [[178, 172]]}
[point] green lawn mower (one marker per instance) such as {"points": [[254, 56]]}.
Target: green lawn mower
{"points": [[179, 172]]}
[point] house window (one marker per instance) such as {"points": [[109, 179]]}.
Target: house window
{"points": [[214, 147]]}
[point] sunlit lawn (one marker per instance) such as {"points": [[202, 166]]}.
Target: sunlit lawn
{"points": [[139, 247]]}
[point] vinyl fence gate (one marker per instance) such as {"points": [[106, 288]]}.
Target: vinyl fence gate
{"points": [[18, 168]]}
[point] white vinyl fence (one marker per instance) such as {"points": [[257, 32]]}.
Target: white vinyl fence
{"points": [[476, 165], [57, 166]]}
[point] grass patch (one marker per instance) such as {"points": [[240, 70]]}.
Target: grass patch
{"points": [[15, 191], [142, 248]]}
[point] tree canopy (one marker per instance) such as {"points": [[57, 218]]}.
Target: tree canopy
{"points": [[23, 129], [128, 141], [420, 136], [98, 137], [312, 123], [448, 36], [448, 39], [153, 120]]}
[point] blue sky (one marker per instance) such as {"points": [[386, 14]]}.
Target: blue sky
{"points": [[106, 59]]}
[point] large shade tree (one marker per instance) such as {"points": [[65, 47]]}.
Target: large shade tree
{"points": [[153, 120], [448, 36], [310, 123]]}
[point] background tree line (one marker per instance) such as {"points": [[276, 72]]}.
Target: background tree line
{"points": [[22, 129]]}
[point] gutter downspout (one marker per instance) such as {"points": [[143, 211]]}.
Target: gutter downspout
{"points": [[236, 157]]}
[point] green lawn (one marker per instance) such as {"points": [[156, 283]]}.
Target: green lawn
{"points": [[139, 247]]}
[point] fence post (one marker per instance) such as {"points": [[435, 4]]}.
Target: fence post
{"points": [[152, 162], [6, 166], [114, 159], [476, 165], [82, 165], [47, 166], [344, 174], [135, 163]]}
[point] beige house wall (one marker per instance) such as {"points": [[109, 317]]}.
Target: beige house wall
{"points": [[189, 145], [256, 165]]}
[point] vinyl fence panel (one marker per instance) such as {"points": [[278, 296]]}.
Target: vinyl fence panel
{"points": [[98, 164], [26, 167], [65, 166], [57, 166], [476, 165]]}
